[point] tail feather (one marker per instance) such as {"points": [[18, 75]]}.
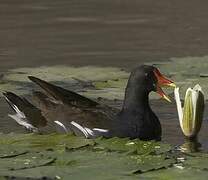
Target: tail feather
{"points": [[23, 122], [11, 98], [26, 114]]}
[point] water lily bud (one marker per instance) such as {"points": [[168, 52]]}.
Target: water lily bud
{"points": [[191, 115]]}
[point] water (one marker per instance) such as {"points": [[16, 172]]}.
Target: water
{"points": [[106, 33]]}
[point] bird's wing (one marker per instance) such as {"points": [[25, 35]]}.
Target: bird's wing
{"points": [[53, 116], [68, 110], [89, 122], [63, 95]]}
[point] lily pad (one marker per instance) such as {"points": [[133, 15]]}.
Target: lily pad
{"points": [[197, 162], [10, 151], [59, 142], [25, 161], [187, 72], [69, 77], [44, 142], [94, 165], [135, 146], [175, 173], [150, 163], [58, 156]]}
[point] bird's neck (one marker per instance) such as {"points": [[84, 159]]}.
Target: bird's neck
{"points": [[136, 98]]}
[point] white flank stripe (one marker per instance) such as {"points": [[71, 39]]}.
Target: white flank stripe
{"points": [[100, 130], [60, 124], [89, 131], [78, 126]]}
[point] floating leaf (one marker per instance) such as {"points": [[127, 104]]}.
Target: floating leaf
{"points": [[175, 173], [85, 164], [25, 161], [137, 146], [9, 151], [197, 162], [150, 163]]}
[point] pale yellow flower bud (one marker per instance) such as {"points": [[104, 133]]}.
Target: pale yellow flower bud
{"points": [[191, 115]]}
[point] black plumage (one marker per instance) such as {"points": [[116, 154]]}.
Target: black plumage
{"points": [[64, 111]]}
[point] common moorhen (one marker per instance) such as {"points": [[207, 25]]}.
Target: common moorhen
{"points": [[61, 110]]}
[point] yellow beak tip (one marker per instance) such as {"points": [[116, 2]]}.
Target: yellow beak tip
{"points": [[167, 99], [172, 85]]}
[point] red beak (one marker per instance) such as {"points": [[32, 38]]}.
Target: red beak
{"points": [[162, 81]]}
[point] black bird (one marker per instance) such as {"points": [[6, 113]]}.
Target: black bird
{"points": [[61, 110]]}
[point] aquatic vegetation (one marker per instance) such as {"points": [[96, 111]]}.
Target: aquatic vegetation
{"points": [[106, 82], [58, 156], [191, 115], [70, 154], [92, 81], [186, 72]]}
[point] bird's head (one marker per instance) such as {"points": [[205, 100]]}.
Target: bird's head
{"points": [[151, 79]]}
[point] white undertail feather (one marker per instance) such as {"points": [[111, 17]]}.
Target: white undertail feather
{"points": [[61, 125], [100, 130], [20, 117], [82, 129], [22, 122], [90, 132]]}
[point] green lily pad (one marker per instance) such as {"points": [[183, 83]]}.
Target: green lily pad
{"points": [[175, 173], [187, 72], [11, 151], [137, 146], [109, 82], [29, 160], [118, 83], [197, 162], [161, 148], [95, 165], [69, 77], [150, 163], [59, 142], [46, 142], [58, 156]]}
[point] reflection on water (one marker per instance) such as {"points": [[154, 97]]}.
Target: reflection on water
{"points": [[191, 145], [171, 128]]}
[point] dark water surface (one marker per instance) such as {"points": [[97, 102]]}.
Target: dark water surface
{"points": [[105, 33]]}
